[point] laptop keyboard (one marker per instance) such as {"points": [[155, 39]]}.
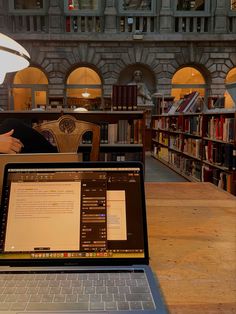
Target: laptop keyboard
{"points": [[75, 291]]}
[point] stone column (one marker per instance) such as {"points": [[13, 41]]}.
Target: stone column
{"points": [[110, 14], [166, 17], [55, 17], [221, 16], [3, 16]]}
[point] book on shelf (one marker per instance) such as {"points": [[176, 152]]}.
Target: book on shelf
{"points": [[220, 154], [112, 133], [201, 146], [121, 156], [104, 125], [166, 104], [173, 108], [215, 102], [124, 97], [192, 146], [187, 102], [192, 124]]}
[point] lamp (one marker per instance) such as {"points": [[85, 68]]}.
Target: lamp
{"points": [[86, 94], [12, 55]]}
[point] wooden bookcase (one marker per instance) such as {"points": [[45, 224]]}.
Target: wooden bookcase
{"points": [[199, 146], [122, 132]]}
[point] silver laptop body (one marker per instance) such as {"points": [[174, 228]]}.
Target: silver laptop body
{"points": [[74, 240]]}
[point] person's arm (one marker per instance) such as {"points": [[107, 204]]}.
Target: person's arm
{"points": [[9, 144]]}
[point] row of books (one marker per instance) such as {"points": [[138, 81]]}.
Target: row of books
{"points": [[187, 166], [114, 156], [188, 103], [124, 97], [197, 171], [223, 180], [221, 128], [188, 124], [191, 146], [162, 123], [122, 132], [215, 127], [121, 156], [191, 102], [183, 164], [219, 154], [192, 125], [161, 152], [163, 138]]}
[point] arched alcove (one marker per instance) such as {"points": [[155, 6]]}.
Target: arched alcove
{"points": [[29, 89], [84, 89], [187, 80], [126, 76]]}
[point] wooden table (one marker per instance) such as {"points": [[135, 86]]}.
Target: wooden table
{"points": [[192, 243]]}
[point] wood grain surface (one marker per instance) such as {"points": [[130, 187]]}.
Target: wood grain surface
{"points": [[192, 246]]}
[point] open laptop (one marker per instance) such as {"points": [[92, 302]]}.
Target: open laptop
{"points": [[74, 240], [40, 157]]}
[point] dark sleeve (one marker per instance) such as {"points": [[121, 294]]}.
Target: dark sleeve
{"points": [[33, 141]]}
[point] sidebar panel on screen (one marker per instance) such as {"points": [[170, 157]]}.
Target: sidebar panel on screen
{"points": [[93, 216]]}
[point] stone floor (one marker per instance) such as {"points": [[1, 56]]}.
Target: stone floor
{"points": [[155, 171]]}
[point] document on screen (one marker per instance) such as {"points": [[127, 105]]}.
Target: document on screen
{"points": [[43, 215]]}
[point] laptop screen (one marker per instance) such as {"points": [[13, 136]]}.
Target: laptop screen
{"points": [[73, 212]]}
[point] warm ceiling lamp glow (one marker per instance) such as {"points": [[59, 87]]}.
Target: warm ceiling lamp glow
{"points": [[86, 94], [13, 56]]}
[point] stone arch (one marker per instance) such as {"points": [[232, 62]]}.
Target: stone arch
{"points": [[198, 67], [29, 89], [188, 78], [230, 84], [85, 65], [84, 87]]}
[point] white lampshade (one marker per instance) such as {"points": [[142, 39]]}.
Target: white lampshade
{"points": [[13, 57], [86, 94]]}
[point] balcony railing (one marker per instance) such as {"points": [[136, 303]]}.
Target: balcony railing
{"points": [[145, 24], [192, 24], [29, 23], [125, 24], [84, 24]]}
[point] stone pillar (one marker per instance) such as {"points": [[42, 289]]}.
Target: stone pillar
{"points": [[166, 17], [3, 16], [55, 17], [221, 16], [110, 14]]}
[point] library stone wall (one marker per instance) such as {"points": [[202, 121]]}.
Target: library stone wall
{"points": [[110, 59], [111, 53]]}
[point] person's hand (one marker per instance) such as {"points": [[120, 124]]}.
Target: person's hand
{"points": [[10, 144]]}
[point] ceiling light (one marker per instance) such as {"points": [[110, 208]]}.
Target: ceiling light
{"points": [[12, 55], [85, 94]]}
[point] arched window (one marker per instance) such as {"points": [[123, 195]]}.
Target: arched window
{"points": [[187, 80], [230, 78], [84, 89], [29, 89]]}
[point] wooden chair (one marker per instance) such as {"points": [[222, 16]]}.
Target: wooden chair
{"points": [[67, 133]]}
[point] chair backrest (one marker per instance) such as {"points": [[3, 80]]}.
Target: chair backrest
{"points": [[67, 132]]}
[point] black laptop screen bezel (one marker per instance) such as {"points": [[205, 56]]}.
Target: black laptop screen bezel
{"points": [[81, 261]]}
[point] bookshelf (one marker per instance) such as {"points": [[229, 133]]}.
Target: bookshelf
{"points": [[122, 132], [55, 102], [199, 146]]}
